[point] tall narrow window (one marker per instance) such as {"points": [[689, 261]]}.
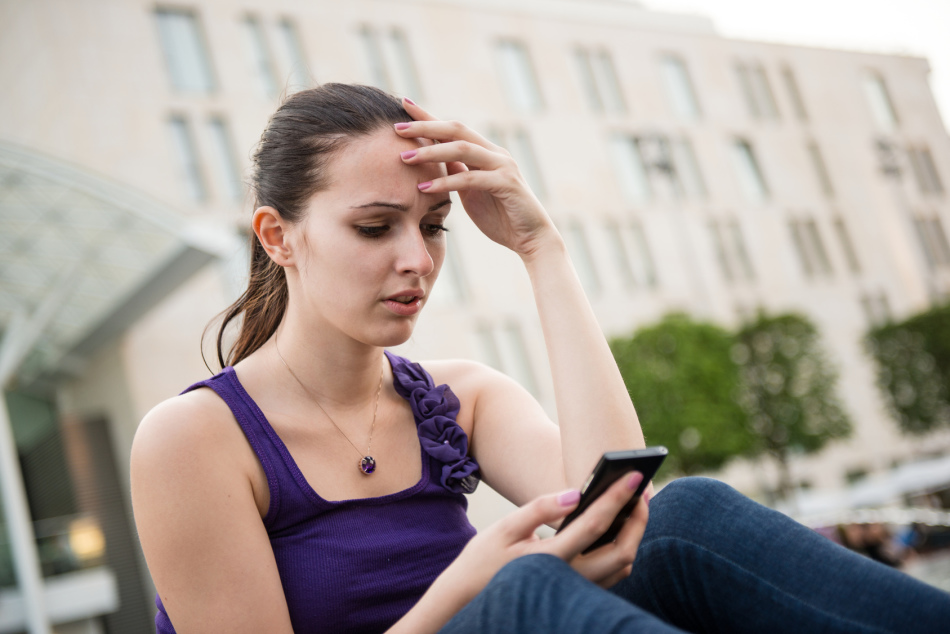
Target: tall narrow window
{"points": [[810, 248], [373, 56], [879, 100], [621, 255], [189, 166], [820, 169], [630, 167], [847, 246], [731, 252], [225, 160], [599, 82], [751, 179], [405, 80], [185, 53], [517, 76], [259, 57], [933, 241], [686, 167], [522, 151], [794, 94], [679, 87], [450, 289], [514, 354], [877, 309], [758, 93], [582, 257], [925, 171], [292, 55]]}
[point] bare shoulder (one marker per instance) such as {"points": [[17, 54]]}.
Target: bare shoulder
{"points": [[465, 377]]}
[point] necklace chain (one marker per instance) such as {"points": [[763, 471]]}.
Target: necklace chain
{"points": [[367, 463]]}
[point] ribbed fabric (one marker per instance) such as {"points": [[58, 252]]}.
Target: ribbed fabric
{"points": [[357, 565]]}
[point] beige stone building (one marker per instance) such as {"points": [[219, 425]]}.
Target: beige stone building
{"points": [[686, 171]]}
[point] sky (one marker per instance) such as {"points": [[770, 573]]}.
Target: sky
{"points": [[914, 27]]}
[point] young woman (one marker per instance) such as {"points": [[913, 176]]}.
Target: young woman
{"points": [[317, 483]]}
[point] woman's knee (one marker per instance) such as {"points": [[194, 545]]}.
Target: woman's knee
{"points": [[686, 503]]}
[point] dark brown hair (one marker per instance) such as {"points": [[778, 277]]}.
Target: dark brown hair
{"points": [[289, 167]]}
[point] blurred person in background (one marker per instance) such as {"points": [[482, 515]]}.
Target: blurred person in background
{"points": [[284, 493]]}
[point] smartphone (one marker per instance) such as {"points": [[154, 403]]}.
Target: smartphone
{"points": [[612, 465]]}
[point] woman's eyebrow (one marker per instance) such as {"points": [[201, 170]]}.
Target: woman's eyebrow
{"points": [[399, 207]]}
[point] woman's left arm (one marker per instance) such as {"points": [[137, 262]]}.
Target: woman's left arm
{"points": [[595, 413]]}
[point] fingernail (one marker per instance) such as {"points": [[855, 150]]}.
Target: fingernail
{"points": [[408, 154], [410, 101], [569, 498], [426, 185], [646, 498], [402, 126], [634, 480]]}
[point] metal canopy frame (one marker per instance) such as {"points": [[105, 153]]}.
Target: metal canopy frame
{"points": [[81, 259]]}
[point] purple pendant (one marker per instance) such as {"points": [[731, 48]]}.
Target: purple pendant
{"points": [[367, 465]]}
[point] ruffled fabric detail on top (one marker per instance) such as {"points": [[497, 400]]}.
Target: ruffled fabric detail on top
{"points": [[436, 410]]}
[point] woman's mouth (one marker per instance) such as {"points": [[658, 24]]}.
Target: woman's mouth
{"points": [[404, 304]]}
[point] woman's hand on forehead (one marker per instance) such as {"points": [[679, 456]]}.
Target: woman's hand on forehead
{"points": [[494, 193]]}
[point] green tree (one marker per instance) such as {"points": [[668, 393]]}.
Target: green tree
{"points": [[787, 389], [683, 384], [913, 369]]}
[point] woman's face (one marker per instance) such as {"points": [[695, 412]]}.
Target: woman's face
{"points": [[371, 245]]}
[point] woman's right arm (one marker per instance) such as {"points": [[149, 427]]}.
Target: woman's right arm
{"points": [[514, 536], [199, 525]]}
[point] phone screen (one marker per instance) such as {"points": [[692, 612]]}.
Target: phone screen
{"points": [[612, 465]]}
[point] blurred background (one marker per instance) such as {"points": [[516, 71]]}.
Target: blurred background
{"points": [[753, 194]]}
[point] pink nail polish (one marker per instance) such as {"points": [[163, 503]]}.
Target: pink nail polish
{"points": [[426, 185], [569, 498], [646, 498], [634, 480], [403, 126], [410, 101], [408, 154]]}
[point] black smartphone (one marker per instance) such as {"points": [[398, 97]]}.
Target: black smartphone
{"points": [[612, 465]]}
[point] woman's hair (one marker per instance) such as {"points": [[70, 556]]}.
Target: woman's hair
{"points": [[288, 168]]}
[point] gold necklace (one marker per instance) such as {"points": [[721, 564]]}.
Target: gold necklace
{"points": [[367, 463]]}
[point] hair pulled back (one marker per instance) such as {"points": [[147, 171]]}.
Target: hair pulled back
{"points": [[288, 167]]}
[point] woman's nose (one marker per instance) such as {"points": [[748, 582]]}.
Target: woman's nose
{"points": [[414, 255]]}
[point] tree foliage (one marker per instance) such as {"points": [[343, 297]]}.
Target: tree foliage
{"points": [[682, 382], [913, 362], [787, 388], [711, 395]]}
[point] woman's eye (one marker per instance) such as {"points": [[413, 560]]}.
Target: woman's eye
{"points": [[373, 232], [434, 229]]}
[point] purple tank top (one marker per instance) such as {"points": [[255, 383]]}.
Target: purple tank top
{"points": [[359, 565]]}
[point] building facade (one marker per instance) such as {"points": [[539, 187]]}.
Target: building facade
{"points": [[685, 170]]}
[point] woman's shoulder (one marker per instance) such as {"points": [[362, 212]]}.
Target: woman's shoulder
{"points": [[464, 376]]}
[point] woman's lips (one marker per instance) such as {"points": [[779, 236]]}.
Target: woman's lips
{"points": [[404, 309]]}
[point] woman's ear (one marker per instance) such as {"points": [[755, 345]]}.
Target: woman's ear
{"points": [[272, 231]]}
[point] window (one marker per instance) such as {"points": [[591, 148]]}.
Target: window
{"points": [[581, 256], [689, 178], [517, 76], [933, 241], [185, 53], [511, 357], [390, 61], [750, 175], [847, 246], [758, 94], [599, 81], [811, 251], [734, 262], [821, 170], [523, 153], [925, 171], [225, 163], [679, 88], [259, 56], [189, 166], [292, 55], [631, 169], [794, 95], [879, 100], [631, 254]]}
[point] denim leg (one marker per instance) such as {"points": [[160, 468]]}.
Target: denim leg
{"points": [[544, 595], [713, 560]]}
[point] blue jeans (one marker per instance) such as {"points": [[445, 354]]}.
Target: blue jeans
{"points": [[711, 560]]}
